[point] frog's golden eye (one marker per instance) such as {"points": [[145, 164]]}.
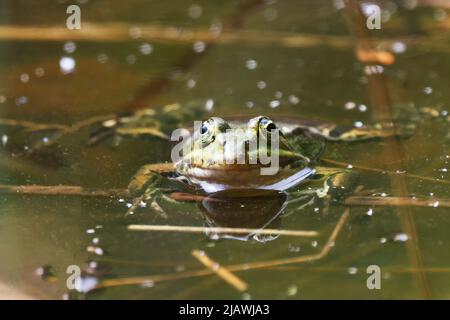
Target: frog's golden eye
{"points": [[267, 125]]}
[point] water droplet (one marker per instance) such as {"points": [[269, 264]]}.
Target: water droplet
{"points": [[191, 83], [398, 47], [4, 140], [401, 237], [102, 58], [293, 99], [274, 103], [21, 100], [70, 47], [146, 48], [428, 90], [195, 11], [362, 108], [352, 270], [251, 64], [67, 65], [292, 290], [209, 105], [39, 72], [199, 46], [350, 105], [261, 85], [24, 77], [358, 124]]}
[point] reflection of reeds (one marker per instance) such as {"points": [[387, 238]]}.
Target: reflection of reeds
{"points": [[382, 103]]}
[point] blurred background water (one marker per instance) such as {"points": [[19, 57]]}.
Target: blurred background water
{"points": [[273, 57]]}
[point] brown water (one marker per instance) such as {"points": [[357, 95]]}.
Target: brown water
{"points": [[296, 56]]}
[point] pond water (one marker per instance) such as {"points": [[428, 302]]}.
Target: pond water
{"points": [[279, 58]]}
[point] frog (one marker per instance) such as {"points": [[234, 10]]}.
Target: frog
{"points": [[301, 143]]}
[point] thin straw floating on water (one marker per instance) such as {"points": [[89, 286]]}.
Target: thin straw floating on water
{"points": [[222, 272], [190, 229]]}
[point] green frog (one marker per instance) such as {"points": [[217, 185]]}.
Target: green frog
{"points": [[209, 165]]}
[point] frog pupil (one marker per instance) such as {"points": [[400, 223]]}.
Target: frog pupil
{"points": [[204, 129]]}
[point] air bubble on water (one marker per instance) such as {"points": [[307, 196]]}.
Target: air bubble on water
{"points": [[90, 231], [97, 250], [314, 244], [292, 290], [358, 124], [45, 140], [85, 284], [369, 212], [293, 99], [352, 270], [24, 77], [383, 194], [349, 166], [249, 104], [383, 240], [401, 237], [95, 240], [199, 46], [435, 204], [209, 105], [121, 200], [142, 204], [246, 296], [70, 47], [428, 90], [191, 83], [398, 47], [131, 59], [146, 48], [261, 84], [362, 108], [39, 72], [274, 103], [102, 58], [195, 11], [129, 205], [278, 94], [2, 99], [4, 140], [251, 64], [216, 27], [67, 65], [316, 209], [350, 105], [21, 100]]}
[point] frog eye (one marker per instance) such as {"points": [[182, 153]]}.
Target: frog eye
{"points": [[207, 131], [267, 125]]}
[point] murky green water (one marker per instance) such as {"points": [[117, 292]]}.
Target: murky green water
{"points": [[259, 71]]}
